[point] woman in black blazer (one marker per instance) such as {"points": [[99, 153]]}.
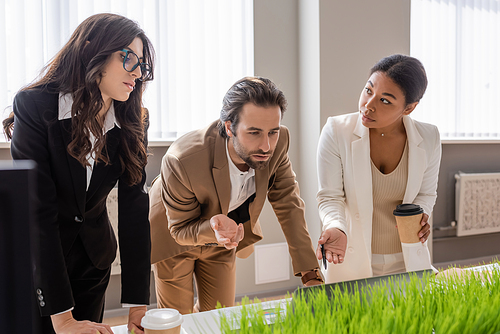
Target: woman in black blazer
{"points": [[82, 123]]}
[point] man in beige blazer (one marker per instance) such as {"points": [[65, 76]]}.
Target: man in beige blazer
{"points": [[205, 204]]}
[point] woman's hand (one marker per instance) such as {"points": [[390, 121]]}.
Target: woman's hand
{"points": [[135, 315], [425, 231], [64, 323], [335, 242]]}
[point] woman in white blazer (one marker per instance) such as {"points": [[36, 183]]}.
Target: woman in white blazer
{"points": [[370, 161]]}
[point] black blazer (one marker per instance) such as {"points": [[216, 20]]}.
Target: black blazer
{"points": [[65, 209]]}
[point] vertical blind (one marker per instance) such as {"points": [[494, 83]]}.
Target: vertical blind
{"points": [[202, 47], [458, 41]]}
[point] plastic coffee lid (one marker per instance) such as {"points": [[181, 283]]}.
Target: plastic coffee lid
{"points": [[163, 318], [408, 210]]}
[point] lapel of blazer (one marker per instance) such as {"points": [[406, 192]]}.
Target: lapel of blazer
{"points": [[361, 166], [417, 160], [220, 172], [100, 169], [78, 172]]}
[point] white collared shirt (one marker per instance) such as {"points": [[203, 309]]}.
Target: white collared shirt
{"points": [[242, 183], [65, 104]]}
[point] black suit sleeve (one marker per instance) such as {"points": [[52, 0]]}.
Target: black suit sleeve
{"points": [[30, 141], [134, 240]]}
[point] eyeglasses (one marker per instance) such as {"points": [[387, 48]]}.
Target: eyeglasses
{"points": [[130, 62]]}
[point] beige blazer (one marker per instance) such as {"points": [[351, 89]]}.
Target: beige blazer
{"points": [[194, 185], [345, 184]]}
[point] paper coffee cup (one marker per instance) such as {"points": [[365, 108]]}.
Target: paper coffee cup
{"points": [[162, 321], [408, 217]]}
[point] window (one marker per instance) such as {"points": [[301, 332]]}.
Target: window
{"points": [[458, 41], [202, 47]]}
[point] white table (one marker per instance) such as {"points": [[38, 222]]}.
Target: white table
{"points": [[208, 322]]}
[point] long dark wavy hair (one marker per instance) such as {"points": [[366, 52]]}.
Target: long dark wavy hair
{"points": [[77, 69]]}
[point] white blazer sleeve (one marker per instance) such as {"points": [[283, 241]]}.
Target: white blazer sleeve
{"points": [[427, 194], [331, 196]]}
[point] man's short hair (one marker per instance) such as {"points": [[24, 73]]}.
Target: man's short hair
{"points": [[257, 90]]}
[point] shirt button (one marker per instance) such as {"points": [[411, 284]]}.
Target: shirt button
{"points": [[350, 250], [79, 219], [356, 216], [38, 291], [419, 252], [40, 297], [42, 303]]}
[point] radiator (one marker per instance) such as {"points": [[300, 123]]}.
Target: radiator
{"points": [[477, 203]]}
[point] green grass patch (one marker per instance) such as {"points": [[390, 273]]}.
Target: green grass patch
{"points": [[461, 303]]}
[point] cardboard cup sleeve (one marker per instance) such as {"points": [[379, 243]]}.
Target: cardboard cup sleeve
{"points": [[408, 228], [408, 217]]}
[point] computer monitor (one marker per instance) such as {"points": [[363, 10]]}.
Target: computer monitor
{"points": [[17, 302]]}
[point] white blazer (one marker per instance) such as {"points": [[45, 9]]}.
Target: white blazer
{"points": [[345, 186]]}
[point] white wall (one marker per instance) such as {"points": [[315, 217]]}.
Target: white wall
{"points": [[276, 58], [354, 35], [309, 109], [319, 52]]}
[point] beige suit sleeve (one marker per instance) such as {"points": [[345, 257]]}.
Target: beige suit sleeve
{"points": [[185, 223], [289, 208]]}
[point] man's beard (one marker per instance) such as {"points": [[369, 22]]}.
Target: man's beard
{"points": [[247, 156]]}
